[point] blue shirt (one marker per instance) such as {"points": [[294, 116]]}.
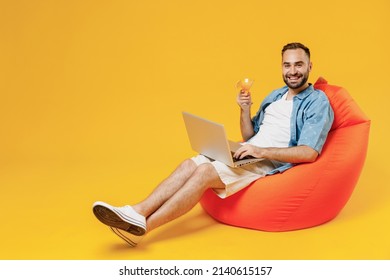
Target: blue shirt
{"points": [[311, 119]]}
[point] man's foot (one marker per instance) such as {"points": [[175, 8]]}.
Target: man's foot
{"points": [[131, 239], [124, 218]]}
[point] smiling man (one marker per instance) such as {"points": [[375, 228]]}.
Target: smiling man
{"points": [[296, 66], [294, 119], [289, 128]]}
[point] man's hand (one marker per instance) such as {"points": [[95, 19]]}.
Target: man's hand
{"points": [[244, 100], [249, 150]]}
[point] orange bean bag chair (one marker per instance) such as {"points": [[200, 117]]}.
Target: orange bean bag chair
{"points": [[308, 194]]}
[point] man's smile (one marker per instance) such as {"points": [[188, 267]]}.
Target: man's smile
{"points": [[294, 78]]}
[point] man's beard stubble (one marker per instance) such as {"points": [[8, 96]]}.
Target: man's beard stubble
{"points": [[305, 77]]}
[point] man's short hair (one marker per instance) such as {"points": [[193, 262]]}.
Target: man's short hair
{"points": [[294, 46]]}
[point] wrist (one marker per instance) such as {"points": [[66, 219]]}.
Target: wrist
{"points": [[264, 153], [246, 109]]}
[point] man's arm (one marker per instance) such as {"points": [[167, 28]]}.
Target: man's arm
{"points": [[244, 101], [297, 154]]}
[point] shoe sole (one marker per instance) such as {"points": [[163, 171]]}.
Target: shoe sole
{"points": [[115, 219], [123, 236]]}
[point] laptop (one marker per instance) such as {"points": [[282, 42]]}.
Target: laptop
{"points": [[209, 139]]}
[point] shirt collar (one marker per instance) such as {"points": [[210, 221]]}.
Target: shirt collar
{"points": [[306, 92]]}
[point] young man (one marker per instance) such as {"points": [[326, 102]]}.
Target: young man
{"points": [[290, 127]]}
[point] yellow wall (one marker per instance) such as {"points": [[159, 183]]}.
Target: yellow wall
{"points": [[84, 82], [86, 78]]}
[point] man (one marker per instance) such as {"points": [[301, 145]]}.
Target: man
{"points": [[290, 127]]}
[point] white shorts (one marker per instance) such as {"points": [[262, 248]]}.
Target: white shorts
{"points": [[235, 179]]}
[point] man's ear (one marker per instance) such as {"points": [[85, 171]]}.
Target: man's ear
{"points": [[310, 66]]}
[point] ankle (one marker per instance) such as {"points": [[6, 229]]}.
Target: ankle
{"points": [[137, 208]]}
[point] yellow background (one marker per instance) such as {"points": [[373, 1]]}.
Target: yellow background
{"points": [[92, 93]]}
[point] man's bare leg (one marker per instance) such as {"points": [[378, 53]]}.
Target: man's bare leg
{"points": [[186, 197], [166, 188], [174, 197]]}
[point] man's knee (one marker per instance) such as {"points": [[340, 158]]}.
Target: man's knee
{"points": [[208, 176], [207, 170], [188, 164]]}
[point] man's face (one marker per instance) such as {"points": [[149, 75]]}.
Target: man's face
{"points": [[296, 67]]}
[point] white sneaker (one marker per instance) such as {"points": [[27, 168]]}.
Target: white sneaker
{"points": [[131, 239], [124, 218]]}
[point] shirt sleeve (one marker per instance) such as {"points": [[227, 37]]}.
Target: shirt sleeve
{"points": [[316, 124]]}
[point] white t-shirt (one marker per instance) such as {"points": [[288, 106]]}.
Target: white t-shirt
{"points": [[271, 135]]}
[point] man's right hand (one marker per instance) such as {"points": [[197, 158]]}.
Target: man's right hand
{"points": [[244, 100]]}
